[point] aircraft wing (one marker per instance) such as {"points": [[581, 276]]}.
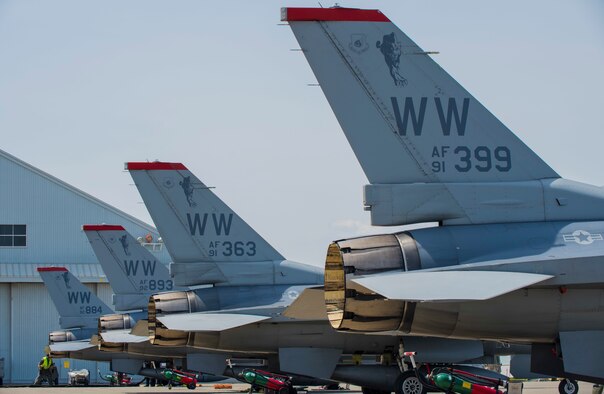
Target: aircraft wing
{"points": [[122, 336], [310, 305], [201, 321], [71, 346], [448, 286]]}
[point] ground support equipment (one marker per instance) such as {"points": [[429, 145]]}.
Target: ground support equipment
{"points": [[79, 377], [173, 376], [271, 383]]}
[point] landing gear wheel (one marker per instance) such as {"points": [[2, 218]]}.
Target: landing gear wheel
{"points": [[568, 386], [408, 383]]}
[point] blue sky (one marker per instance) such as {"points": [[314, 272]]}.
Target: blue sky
{"points": [[87, 86]]}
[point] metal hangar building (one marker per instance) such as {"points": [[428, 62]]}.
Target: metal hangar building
{"points": [[41, 220]]}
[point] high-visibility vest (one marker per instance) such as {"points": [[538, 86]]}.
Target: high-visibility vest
{"points": [[46, 362]]}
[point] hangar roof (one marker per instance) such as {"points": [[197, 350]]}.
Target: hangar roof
{"points": [[54, 212], [20, 272], [75, 190]]}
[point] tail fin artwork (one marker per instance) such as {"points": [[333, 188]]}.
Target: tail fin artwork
{"points": [[78, 307], [133, 272], [430, 150], [198, 228]]}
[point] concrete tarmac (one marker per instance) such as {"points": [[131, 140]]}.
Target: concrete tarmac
{"points": [[529, 388]]}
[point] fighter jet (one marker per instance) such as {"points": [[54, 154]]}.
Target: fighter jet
{"points": [[257, 301], [79, 310], [134, 274], [80, 313], [517, 252], [94, 332]]}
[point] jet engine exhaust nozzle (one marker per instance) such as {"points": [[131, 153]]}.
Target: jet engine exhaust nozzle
{"points": [[61, 336], [112, 322], [170, 303], [353, 307]]}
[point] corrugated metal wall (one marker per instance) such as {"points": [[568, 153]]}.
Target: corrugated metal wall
{"points": [[5, 323], [27, 320], [54, 213], [32, 314], [105, 293]]}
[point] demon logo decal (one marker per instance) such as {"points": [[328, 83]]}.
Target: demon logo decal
{"points": [[124, 241], [66, 279], [391, 49], [187, 187]]}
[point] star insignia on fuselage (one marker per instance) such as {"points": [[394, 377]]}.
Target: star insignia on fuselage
{"points": [[582, 237]]}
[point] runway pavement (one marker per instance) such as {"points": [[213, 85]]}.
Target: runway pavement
{"points": [[529, 388]]}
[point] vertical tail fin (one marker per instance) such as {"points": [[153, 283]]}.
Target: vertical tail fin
{"points": [[78, 307], [196, 226], [132, 270], [407, 120]]}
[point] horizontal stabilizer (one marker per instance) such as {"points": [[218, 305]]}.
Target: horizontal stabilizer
{"points": [[448, 286], [208, 321], [310, 305], [122, 336], [71, 346]]}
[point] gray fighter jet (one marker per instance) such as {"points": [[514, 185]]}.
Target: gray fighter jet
{"points": [[134, 275], [84, 318], [258, 302], [92, 331], [518, 250], [79, 310]]}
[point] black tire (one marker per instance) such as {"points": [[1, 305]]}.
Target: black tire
{"points": [[191, 386], [568, 386], [409, 383]]}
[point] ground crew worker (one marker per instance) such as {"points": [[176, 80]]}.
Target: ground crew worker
{"points": [[47, 371]]}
